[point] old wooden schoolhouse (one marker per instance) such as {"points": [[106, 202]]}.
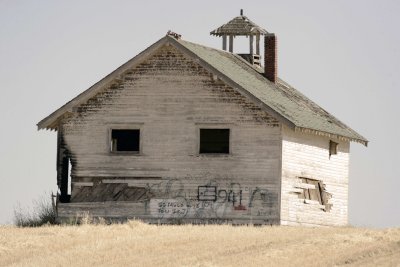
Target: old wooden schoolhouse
{"points": [[185, 133]]}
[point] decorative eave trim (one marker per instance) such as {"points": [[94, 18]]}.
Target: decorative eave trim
{"points": [[330, 135]]}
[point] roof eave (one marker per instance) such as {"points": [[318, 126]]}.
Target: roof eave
{"points": [[50, 120], [360, 139]]}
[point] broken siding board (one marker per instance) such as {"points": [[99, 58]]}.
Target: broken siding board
{"points": [[109, 192], [304, 186], [82, 183], [133, 182]]}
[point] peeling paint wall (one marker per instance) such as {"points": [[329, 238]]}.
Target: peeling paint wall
{"points": [[169, 98], [307, 156]]}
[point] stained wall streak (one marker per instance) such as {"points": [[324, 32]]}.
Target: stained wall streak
{"points": [[169, 98], [305, 155]]}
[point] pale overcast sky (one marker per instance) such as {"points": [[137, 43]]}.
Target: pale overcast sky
{"points": [[344, 55]]}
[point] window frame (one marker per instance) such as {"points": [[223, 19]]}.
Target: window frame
{"points": [[136, 126]]}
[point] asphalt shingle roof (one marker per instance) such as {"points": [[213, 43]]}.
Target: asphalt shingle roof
{"points": [[281, 97]]}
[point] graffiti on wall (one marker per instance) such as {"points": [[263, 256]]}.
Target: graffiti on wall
{"points": [[207, 193], [218, 199], [211, 201], [210, 193]]}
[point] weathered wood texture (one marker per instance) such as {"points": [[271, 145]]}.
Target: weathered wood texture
{"points": [[118, 211], [169, 98], [305, 155]]}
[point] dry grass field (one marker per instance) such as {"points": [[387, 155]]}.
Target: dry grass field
{"points": [[138, 244]]}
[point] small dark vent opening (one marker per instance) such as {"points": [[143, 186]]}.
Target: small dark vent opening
{"points": [[253, 59]]}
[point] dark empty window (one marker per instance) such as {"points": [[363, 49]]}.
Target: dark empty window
{"points": [[214, 141], [125, 140], [332, 148]]}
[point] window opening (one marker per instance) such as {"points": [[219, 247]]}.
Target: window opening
{"points": [[332, 148], [214, 141], [125, 140]]}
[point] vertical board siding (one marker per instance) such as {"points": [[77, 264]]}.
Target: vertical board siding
{"points": [[306, 155], [169, 98]]}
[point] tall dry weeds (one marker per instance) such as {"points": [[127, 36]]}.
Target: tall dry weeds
{"points": [[42, 212]]}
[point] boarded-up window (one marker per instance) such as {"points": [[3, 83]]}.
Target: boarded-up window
{"points": [[332, 148], [313, 190], [214, 141], [125, 140]]}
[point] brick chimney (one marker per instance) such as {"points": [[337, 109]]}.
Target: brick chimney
{"points": [[270, 57]]}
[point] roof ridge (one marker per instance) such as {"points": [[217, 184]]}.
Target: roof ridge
{"points": [[257, 69]]}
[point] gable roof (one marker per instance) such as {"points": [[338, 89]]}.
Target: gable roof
{"points": [[280, 100], [239, 25]]}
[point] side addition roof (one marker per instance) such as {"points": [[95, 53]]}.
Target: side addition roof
{"points": [[279, 99]]}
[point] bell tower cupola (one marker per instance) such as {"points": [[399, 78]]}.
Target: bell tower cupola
{"points": [[242, 26]]}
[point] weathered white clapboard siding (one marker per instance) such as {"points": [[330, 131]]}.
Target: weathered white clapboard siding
{"points": [[104, 209], [169, 97], [306, 155]]}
